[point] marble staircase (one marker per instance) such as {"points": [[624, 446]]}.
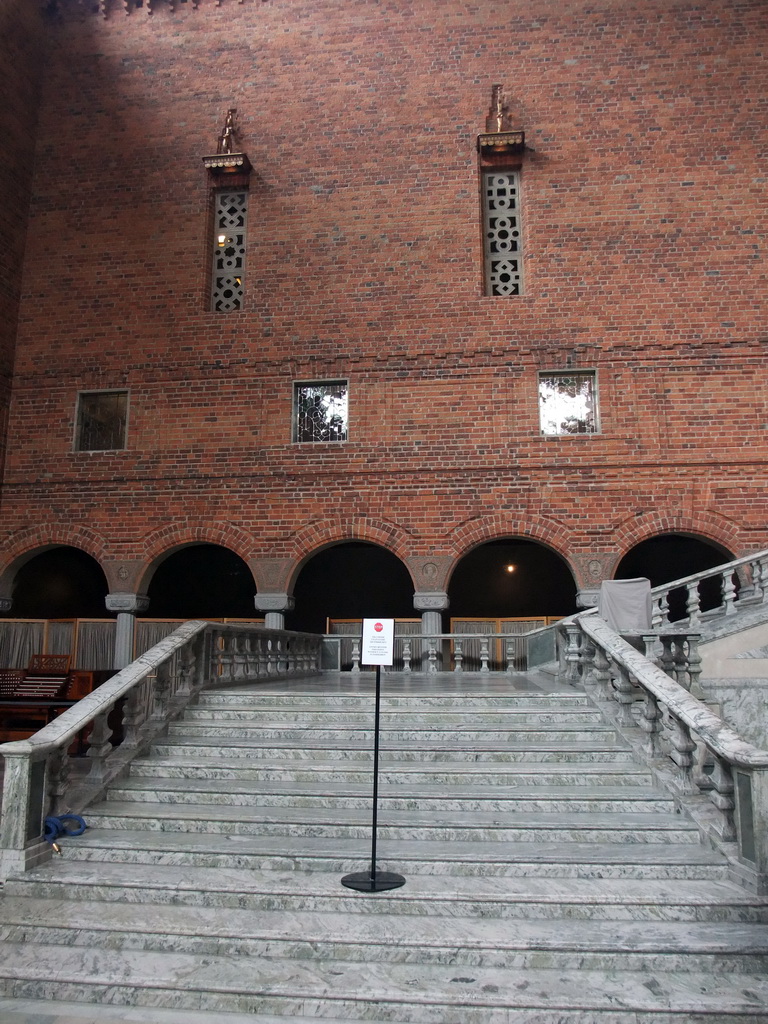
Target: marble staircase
{"points": [[547, 880]]}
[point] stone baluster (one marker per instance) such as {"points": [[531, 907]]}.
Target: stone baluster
{"points": [[666, 661], [485, 653], [680, 662], [162, 692], [660, 610], [601, 673], [510, 645], [58, 779], [692, 604], [432, 665], [356, 656], [682, 746], [406, 653], [625, 693], [135, 714], [694, 665], [99, 747], [574, 640], [650, 723], [761, 578], [729, 593], [187, 662], [722, 796], [458, 654]]}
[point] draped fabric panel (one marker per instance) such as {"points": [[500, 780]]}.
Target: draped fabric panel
{"points": [[60, 637], [151, 631], [95, 645], [19, 640]]}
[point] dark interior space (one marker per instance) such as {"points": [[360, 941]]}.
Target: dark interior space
{"points": [[202, 581]]}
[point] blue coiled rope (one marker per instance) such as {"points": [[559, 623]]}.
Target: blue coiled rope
{"points": [[55, 827]]}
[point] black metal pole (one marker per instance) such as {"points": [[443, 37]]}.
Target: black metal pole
{"points": [[373, 880]]}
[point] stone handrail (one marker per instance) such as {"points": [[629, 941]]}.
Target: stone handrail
{"points": [[152, 691], [698, 754]]}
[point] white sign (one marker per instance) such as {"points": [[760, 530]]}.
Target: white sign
{"points": [[378, 642]]}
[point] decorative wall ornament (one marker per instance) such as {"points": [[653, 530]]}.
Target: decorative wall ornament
{"points": [[228, 159], [430, 601], [502, 144]]}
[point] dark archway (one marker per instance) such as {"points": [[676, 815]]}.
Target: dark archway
{"points": [[670, 557], [202, 581], [353, 580], [60, 583], [539, 583]]}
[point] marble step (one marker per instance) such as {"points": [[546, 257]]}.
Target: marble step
{"points": [[246, 697], [478, 775], [346, 935], [344, 735], [303, 749], [331, 718], [409, 825], [290, 853], [413, 993], [443, 904], [414, 796]]}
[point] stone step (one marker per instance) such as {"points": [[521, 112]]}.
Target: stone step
{"points": [[479, 775], [413, 796], [347, 935], [409, 825], [413, 993], [330, 718], [550, 859], [303, 749], [246, 697], [344, 736], [429, 898]]}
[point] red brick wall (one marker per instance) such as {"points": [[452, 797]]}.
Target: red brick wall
{"points": [[643, 203], [20, 44]]}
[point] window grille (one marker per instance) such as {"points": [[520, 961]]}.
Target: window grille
{"points": [[101, 421], [502, 232], [229, 241], [568, 403], [320, 411]]}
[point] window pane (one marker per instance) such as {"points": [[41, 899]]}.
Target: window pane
{"points": [[101, 422], [320, 411], [567, 403]]}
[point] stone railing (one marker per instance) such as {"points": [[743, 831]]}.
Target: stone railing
{"points": [[722, 779], [737, 585], [145, 696], [464, 652]]}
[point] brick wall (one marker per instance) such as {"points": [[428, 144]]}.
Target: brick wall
{"points": [[20, 43], [643, 202]]}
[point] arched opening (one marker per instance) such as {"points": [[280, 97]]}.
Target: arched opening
{"points": [[670, 557], [511, 579], [202, 581], [353, 580], [60, 583]]}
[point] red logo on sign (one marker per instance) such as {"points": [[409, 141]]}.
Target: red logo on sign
{"points": [[378, 627]]}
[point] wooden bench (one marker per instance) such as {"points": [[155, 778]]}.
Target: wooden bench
{"points": [[31, 699]]}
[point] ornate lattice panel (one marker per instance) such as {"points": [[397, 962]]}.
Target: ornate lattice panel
{"points": [[568, 403], [503, 236], [320, 411], [229, 240]]}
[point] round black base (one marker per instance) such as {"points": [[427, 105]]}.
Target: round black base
{"points": [[379, 881]]}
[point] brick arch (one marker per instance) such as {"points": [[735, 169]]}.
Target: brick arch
{"points": [[168, 539], [703, 526], [499, 527], [327, 532], [35, 540]]}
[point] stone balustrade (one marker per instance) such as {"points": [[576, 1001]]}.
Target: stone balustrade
{"points": [[741, 583], [151, 691], [703, 761]]}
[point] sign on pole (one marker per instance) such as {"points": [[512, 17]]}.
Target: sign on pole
{"points": [[378, 647]]}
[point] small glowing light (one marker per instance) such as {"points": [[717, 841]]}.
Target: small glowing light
{"points": [[510, 568], [222, 240]]}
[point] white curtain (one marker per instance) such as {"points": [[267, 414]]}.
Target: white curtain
{"points": [[19, 641], [95, 645]]}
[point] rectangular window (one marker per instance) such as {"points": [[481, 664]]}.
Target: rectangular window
{"points": [[568, 403], [320, 411], [102, 418], [230, 222], [502, 233]]}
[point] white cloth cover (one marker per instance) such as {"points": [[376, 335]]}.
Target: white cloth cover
{"points": [[626, 605]]}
